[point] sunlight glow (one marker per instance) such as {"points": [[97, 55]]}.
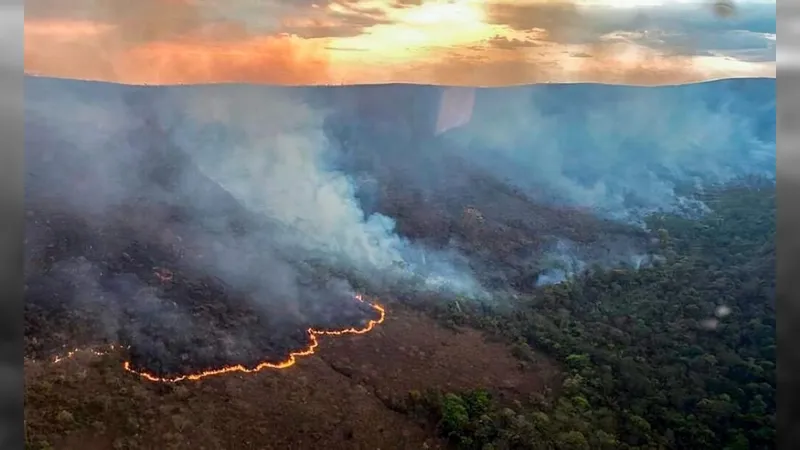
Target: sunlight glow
{"points": [[416, 30], [444, 13]]}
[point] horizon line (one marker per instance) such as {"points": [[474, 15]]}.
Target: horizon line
{"points": [[398, 83]]}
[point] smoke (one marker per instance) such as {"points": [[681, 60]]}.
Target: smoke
{"points": [[249, 223], [251, 172], [622, 152], [550, 172], [261, 188], [271, 153], [565, 259]]}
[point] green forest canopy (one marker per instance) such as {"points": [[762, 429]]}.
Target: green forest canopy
{"points": [[679, 355]]}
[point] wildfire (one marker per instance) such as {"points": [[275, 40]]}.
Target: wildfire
{"points": [[70, 354], [313, 335]]}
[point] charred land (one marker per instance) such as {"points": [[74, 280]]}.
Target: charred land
{"points": [[540, 292], [132, 255]]}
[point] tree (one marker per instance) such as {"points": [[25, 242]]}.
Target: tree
{"points": [[572, 440]]}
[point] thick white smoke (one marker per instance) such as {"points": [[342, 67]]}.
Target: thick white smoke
{"points": [[622, 151], [269, 150]]}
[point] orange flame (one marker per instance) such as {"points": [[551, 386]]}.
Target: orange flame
{"points": [[313, 335], [71, 354]]}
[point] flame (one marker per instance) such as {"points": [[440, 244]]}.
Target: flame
{"points": [[313, 335], [71, 354]]}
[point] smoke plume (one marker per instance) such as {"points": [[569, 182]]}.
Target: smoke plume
{"points": [[271, 153], [623, 152], [255, 155]]}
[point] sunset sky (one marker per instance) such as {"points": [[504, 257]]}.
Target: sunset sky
{"points": [[454, 42]]}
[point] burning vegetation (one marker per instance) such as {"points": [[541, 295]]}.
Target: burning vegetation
{"points": [[175, 324], [172, 266], [313, 336]]}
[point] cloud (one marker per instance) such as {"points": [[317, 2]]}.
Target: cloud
{"points": [[282, 60], [145, 21], [600, 67], [135, 22], [68, 48], [86, 50], [507, 43], [558, 18], [343, 20], [649, 44], [188, 41], [570, 23], [740, 44], [690, 30], [360, 41], [406, 3]]}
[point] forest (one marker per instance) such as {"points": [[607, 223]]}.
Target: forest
{"points": [[677, 352], [678, 355]]}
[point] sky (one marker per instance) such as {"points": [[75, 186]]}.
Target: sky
{"points": [[448, 42]]}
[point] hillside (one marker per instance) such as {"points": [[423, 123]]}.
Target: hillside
{"points": [[202, 227], [680, 355]]}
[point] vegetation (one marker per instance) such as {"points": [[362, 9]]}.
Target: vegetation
{"points": [[679, 355]]}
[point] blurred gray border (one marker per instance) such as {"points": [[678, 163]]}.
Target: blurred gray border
{"points": [[11, 224], [788, 239]]}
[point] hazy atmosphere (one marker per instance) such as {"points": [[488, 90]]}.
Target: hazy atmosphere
{"points": [[533, 225], [450, 42]]}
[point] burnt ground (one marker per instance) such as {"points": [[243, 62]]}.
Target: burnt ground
{"points": [[130, 279], [341, 397], [344, 396], [88, 284], [133, 274], [177, 319], [138, 261]]}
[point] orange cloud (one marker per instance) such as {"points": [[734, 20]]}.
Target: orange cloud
{"points": [[134, 21], [68, 48], [96, 51], [617, 64], [66, 29], [275, 60], [495, 42]]}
